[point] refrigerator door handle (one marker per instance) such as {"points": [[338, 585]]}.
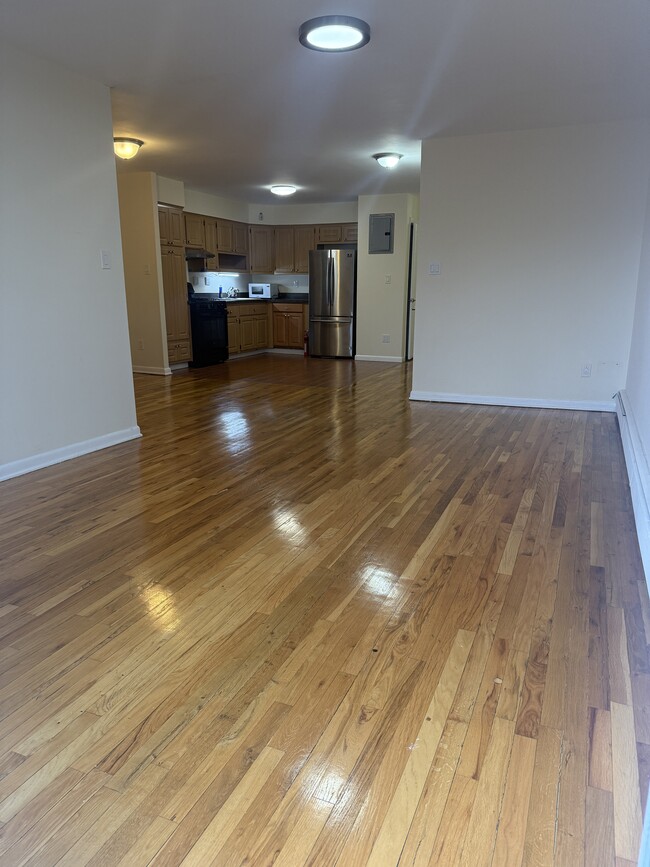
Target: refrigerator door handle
{"points": [[330, 281]]}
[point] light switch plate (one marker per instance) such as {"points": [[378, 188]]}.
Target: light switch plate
{"points": [[105, 259], [434, 268]]}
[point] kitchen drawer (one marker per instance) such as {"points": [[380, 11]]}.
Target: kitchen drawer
{"points": [[252, 309], [286, 308]]}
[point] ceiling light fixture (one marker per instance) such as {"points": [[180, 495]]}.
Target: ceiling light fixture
{"points": [[126, 148], [387, 160], [334, 33], [283, 189]]}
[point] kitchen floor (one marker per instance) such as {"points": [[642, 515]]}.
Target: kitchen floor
{"points": [[306, 621]]}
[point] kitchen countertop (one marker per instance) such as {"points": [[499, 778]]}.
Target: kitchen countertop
{"points": [[288, 298]]}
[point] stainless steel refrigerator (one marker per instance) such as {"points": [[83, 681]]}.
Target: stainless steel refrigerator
{"points": [[332, 287]]}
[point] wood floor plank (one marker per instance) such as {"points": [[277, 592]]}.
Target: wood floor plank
{"points": [[305, 620]]}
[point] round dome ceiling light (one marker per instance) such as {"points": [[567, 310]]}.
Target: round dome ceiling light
{"points": [[387, 160], [334, 33], [283, 189], [126, 148]]}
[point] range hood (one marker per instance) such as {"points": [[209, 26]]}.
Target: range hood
{"points": [[198, 253]]}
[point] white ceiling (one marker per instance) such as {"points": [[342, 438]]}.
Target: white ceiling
{"points": [[228, 101]]}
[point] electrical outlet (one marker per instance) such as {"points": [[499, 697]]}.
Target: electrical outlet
{"points": [[147, 270], [434, 269], [385, 338], [388, 279], [140, 343], [585, 370]]}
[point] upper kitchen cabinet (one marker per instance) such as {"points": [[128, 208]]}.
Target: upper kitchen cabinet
{"points": [[292, 246], [240, 238], [284, 250], [224, 236], [328, 234], [172, 230], [194, 230], [210, 229], [262, 249], [304, 240], [337, 233]]}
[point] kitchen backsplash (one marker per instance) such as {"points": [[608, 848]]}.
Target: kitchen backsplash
{"points": [[210, 281]]}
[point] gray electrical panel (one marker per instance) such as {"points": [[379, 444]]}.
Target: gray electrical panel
{"points": [[380, 235]]}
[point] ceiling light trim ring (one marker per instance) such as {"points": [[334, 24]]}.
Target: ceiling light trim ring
{"points": [[338, 23], [133, 145], [388, 159], [283, 189]]}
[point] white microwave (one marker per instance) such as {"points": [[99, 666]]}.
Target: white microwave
{"points": [[262, 290]]}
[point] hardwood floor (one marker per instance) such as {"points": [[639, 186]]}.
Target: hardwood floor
{"points": [[304, 621]]}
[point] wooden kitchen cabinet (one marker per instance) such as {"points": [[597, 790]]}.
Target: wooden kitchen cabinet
{"points": [[195, 230], [292, 246], [240, 238], [224, 236], [247, 327], [176, 310], [262, 249], [328, 234], [350, 233], [210, 230], [304, 240], [284, 250], [288, 326], [172, 229], [337, 233]]}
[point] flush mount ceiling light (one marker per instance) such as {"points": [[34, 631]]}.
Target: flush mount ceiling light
{"points": [[334, 33], [283, 189], [388, 160], [126, 148]]}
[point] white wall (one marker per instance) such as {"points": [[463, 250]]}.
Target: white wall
{"points": [[143, 272], [170, 191], [288, 214], [635, 425], [381, 306], [197, 202], [538, 236], [65, 367]]}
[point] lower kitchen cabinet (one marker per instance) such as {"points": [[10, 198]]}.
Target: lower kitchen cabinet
{"points": [[248, 327], [288, 326]]}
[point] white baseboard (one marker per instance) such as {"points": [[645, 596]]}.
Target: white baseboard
{"points": [[56, 456], [156, 371], [391, 358], [638, 473], [533, 403]]}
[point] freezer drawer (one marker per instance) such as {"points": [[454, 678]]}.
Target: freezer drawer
{"points": [[331, 337]]}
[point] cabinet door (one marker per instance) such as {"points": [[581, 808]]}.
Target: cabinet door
{"points": [[233, 335], [349, 232], [279, 328], [246, 333], [284, 249], [295, 330], [303, 241], [261, 326], [224, 236], [175, 293], [163, 225], [329, 234], [240, 238], [262, 249], [194, 230], [176, 234], [170, 222], [212, 264]]}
